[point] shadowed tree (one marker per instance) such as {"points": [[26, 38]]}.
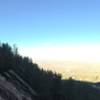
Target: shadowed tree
{"points": [[6, 58]]}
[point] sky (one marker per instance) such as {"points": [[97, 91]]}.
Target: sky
{"points": [[42, 28]]}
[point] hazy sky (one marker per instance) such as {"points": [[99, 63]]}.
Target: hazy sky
{"points": [[50, 23]]}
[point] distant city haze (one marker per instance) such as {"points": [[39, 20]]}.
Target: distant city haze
{"points": [[75, 53], [79, 62]]}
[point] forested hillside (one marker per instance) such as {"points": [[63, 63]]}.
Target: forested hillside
{"points": [[40, 84]]}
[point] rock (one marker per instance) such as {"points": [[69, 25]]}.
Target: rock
{"points": [[11, 91]]}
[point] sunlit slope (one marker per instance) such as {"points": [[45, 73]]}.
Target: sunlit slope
{"points": [[81, 71]]}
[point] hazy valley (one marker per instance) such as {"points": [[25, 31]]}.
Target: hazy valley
{"points": [[76, 70]]}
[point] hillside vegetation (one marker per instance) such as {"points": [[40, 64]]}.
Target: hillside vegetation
{"points": [[28, 78]]}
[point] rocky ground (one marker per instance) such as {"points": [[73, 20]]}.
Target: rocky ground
{"points": [[10, 89]]}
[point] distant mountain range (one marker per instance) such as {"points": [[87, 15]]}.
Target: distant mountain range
{"points": [[76, 70]]}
